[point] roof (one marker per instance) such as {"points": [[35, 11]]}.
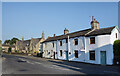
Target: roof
{"points": [[102, 31], [71, 35], [5, 45], [25, 42], [35, 40], [86, 32]]}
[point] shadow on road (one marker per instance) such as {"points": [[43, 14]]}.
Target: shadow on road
{"points": [[87, 68]]}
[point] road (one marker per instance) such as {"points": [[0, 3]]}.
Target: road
{"points": [[15, 64]]}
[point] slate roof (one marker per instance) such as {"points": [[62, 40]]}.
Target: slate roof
{"points": [[71, 35], [102, 31], [35, 41], [8, 45], [25, 42], [86, 32]]}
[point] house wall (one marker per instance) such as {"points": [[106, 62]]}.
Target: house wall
{"points": [[38, 46], [6, 49], [63, 48], [113, 35], [48, 49], [73, 47], [102, 43]]}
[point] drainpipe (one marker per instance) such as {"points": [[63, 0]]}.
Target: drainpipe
{"points": [[85, 48], [68, 47], [57, 48]]}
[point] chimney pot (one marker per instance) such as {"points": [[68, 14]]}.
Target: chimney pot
{"points": [[22, 38], [66, 31], [94, 23], [43, 36], [93, 18], [54, 35]]}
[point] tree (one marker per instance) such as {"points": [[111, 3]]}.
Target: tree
{"points": [[0, 46], [9, 49], [7, 41], [11, 42], [0, 43], [116, 47]]}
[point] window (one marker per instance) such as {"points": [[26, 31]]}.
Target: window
{"points": [[92, 55], [60, 52], [76, 41], [53, 44], [51, 52], [116, 35], [48, 52], [66, 40], [76, 53], [92, 40], [60, 43]]}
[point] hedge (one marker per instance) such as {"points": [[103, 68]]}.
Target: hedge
{"points": [[116, 47]]}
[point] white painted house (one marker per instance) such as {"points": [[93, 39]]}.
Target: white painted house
{"points": [[94, 45]]}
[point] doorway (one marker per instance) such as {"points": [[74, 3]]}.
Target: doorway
{"points": [[54, 55], [66, 55], [103, 57]]}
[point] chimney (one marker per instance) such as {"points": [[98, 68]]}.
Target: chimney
{"points": [[94, 23], [54, 35], [43, 35], [92, 18], [66, 31], [22, 38]]}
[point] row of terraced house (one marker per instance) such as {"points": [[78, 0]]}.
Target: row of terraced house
{"points": [[92, 45]]}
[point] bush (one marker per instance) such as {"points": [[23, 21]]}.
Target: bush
{"points": [[116, 47], [9, 50], [39, 54], [0, 50]]}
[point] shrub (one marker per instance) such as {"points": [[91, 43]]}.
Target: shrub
{"points": [[116, 47], [38, 54], [9, 49]]}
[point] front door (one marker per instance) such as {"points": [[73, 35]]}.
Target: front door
{"points": [[103, 57], [54, 55], [66, 55]]}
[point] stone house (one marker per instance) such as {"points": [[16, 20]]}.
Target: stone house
{"points": [[32, 45], [93, 45], [6, 46]]}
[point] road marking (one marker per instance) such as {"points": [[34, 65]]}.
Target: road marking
{"points": [[68, 66], [38, 63], [22, 59], [29, 62], [26, 61]]}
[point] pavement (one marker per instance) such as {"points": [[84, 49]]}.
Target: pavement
{"points": [[18, 64]]}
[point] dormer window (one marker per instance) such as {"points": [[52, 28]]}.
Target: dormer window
{"points": [[76, 41], [92, 40]]}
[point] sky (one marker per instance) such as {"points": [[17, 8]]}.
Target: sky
{"points": [[119, 14], [30, 19]]}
